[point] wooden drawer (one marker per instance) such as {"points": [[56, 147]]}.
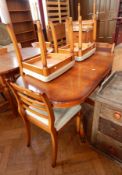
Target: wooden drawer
{"points": [[110, 129], [111, 114], [109, 146]]}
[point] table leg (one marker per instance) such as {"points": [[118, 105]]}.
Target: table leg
{"points": [[81, 131]]}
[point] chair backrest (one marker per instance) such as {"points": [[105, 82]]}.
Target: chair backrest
{"points": [[34, 103], [58, 34]]}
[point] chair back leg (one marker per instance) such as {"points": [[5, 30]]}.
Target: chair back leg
{"points": [[54, 147]]}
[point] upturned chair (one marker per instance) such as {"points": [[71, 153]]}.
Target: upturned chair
{"points": [[37, 109], [46, 66], [80, 50]]}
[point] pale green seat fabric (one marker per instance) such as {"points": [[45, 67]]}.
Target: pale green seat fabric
{"points": [[62, 115]]}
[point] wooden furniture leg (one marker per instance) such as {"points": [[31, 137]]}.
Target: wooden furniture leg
{"points": [[78, 121], [54, 147], [8, 96], [81, 129], [28, 132]]}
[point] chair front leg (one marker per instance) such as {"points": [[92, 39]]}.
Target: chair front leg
{"points": [[54, 139]]}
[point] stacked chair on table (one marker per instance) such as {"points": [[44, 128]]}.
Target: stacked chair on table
{"points": [[46, 66], [80, 49]]}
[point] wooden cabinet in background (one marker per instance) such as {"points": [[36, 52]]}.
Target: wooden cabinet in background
{"points": [[22, 22], [56, 10], [107, 120]]}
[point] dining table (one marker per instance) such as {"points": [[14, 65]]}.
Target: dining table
{"points": [[9, 62], [71, 88], [74, 86]]}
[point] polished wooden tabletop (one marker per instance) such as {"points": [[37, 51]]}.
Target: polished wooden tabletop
{"points": [[75, 85], [9, 62]]}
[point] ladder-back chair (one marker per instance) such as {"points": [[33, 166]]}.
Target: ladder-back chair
{"points": [[37, 109], [80, 50], [46, 66]]}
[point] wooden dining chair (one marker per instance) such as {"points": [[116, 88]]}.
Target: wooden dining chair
{"points": [[46, 66], [36, 108]]}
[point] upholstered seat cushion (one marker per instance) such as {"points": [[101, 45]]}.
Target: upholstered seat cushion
{"points": [[62, 115]]}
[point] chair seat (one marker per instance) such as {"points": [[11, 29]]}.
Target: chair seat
{"points": [[62, 115]]}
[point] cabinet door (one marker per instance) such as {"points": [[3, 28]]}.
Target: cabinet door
{"points": [[106, 11]]}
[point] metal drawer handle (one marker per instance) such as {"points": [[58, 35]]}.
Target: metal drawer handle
{"points": [[117, 115]]}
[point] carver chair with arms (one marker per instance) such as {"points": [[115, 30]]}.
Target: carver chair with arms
{"points": [[36, 108]]}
